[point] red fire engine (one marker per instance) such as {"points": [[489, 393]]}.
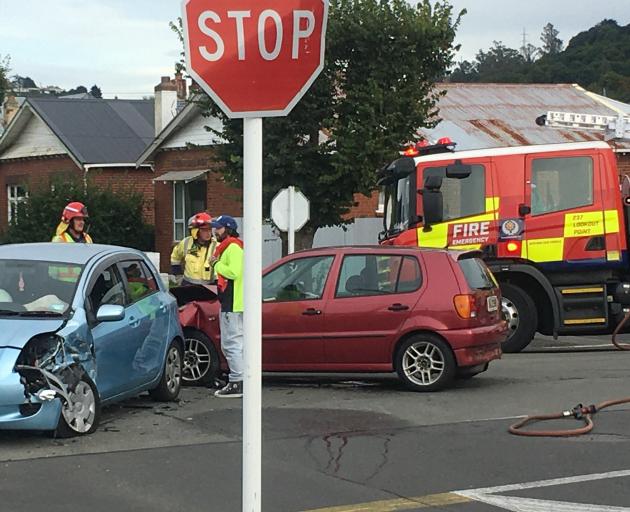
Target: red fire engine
{"points": [[550, 220]]}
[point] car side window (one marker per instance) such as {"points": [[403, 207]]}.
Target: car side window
{"points": [[410, 276], [300, 279], [368, 274], [140, 281], [107, 289]]}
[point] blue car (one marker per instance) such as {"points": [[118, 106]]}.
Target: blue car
{"points": [[82, 326]]}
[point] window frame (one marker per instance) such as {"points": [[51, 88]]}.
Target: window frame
{"points": [[486, 175], [183, 195], [531, 162], [323, 293], [14, 200], [385, 294], [89, 307], [120, 264]]}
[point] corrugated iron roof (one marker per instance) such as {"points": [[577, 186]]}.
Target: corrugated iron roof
{"points": [[497, 115], [99, 131]]}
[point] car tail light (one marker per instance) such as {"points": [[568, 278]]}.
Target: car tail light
{"points": [[465, 305]]}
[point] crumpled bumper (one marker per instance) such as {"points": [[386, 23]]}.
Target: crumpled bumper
{"points": [[43, 416]]}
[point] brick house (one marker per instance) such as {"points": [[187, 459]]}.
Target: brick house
{"points": [[95, 138]]}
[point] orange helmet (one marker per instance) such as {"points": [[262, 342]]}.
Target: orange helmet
{"points": [[73, 210], [200, 220]]}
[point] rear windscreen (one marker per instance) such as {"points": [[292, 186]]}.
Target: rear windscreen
{"points": [[477, 274]]}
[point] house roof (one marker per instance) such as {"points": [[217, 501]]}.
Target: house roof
{"points": [[95, 131], [496, 115]]}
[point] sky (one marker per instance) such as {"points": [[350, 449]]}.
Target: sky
{"points": [[124, 46]]}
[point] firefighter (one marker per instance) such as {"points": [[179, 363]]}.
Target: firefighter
{"points": [[71, 229], [191, 256]]}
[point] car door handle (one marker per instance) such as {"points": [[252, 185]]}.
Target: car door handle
{"points": [[133, 322], [398, 307], [311, 312]]}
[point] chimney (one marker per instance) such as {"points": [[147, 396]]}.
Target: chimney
{"points": [[10, 108], [165, 103], [180, 82]]}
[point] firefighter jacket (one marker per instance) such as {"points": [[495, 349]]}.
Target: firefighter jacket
{"points": [[193, 260], [65, 237]]}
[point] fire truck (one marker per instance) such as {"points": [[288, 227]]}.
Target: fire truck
{"points": [[550, 220]]}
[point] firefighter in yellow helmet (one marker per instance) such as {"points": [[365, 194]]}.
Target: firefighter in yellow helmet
{"points": [[191, 256], [71, 229]]}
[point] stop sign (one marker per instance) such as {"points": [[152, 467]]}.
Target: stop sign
{"points": [[255, 58]]}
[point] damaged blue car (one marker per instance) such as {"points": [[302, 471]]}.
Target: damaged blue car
{"points": [[82, 326]]}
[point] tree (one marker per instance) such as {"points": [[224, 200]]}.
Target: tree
{"points": [[95, 91], [551, 45], [24, 82], [81, 89], [498, 64], [5, 68], [383, 59], [115, 216]]}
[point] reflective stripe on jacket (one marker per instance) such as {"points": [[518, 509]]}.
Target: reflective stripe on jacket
{"points": [[195, 260]]}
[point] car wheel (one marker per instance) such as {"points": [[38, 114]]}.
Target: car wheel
{"points": [[201, 359], [171, 382], [81, 415], [519, 311], [425, 363]]}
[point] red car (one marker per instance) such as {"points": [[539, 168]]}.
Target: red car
{"points": [[429, 315]]}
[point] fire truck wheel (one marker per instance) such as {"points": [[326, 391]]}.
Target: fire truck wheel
{"points": [[520, 313]]}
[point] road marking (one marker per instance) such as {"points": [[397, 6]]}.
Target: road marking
{"points": [[430, 500], [490, 495]]}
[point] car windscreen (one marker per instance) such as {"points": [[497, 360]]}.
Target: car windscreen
{"points": [[477, 274], [37, 288]]}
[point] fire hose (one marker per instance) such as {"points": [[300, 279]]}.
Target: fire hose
{"points": [[579, 412]]}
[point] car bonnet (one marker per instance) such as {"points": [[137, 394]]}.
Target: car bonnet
{"points": [[16, 332]]}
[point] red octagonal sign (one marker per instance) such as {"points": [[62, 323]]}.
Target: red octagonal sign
{"points": [[255, 58]]}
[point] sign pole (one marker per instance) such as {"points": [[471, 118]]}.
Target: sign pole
{"points": [[252, 316], [291, 234]]}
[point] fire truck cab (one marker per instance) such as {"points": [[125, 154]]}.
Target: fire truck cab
{"points": [[550, 220]]}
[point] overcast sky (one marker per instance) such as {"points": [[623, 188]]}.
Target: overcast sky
{"points": [[124, 46]]}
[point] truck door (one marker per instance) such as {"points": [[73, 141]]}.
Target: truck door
{"points": [[470, 209], [566, 225]]}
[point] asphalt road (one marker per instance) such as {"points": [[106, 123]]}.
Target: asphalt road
{"points": [[349, 443]]}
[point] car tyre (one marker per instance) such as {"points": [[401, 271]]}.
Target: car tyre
{"points": [[425, 362], [82, 414], [520, 313], [201, 359], [171, 381]]}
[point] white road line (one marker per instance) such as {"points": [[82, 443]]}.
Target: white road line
{"points": [[490, 495], [515, 504], [549, 483]]}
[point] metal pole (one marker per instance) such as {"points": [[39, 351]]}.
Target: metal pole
{"points": [[291, 219], [252, 319]]}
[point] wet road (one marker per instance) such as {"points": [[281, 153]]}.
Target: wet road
{"points": [[348, 443]]}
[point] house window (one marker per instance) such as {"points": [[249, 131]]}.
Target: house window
{"points": [[380, 209], [188, 199], [16, 194]]}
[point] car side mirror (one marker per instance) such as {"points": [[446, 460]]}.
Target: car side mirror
{"points": [[458, 170], [110, 313], [432, 207]]}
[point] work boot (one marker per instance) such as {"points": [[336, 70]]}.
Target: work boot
{"points": [[231, 390]]}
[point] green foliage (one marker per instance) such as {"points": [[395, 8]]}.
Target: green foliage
{"points": [[5, 68], [383, 59], [115, 217], [552, 45], [96, 92], [597, 59]]}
